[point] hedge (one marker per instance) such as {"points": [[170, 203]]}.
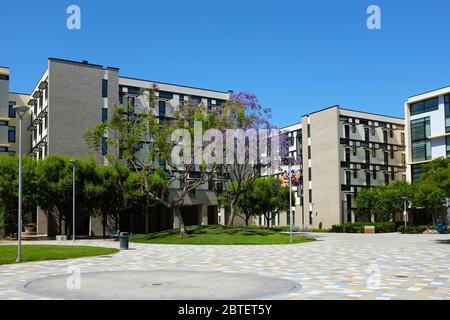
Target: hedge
{"points": [[358, 227], [415, 229]]}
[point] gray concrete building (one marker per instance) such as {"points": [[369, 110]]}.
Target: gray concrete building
{"points": [[338, 153], [72, 97]]}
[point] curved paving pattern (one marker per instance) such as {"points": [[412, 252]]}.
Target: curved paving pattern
{"points": [[337, 266]]}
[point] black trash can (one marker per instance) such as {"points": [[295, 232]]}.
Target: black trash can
{"points": [[124, 237]]}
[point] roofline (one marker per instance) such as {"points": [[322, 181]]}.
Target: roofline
{"points": [[177, 85], [353, 110], [291, 125], [419, 94], [81, 63]]}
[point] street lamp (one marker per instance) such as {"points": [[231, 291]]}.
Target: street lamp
{"points": [[405, 209], [289, 160], [20, 110], [74, 169]]}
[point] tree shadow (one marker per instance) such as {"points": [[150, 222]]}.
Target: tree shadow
{"points": [[443, 241]]}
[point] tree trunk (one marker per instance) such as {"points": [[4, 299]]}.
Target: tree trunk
{"points": [[104, 219], [268, 221], [177, 212], [232, 211]]}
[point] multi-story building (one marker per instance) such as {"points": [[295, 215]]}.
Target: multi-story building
{"points": [[72, 97], [339, 152], [9, 121], [427, 129]]}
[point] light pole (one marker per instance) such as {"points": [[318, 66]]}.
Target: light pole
{"points": [[405, 210], [74, 169], [20, 110], [290, 199]]}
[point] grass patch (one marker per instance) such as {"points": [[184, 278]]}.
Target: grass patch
{"points": [[219, 235], [8, 253]]}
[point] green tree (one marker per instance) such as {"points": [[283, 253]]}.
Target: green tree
{"points": [[9, 187]]}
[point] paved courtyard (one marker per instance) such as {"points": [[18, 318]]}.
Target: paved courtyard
{"points": [[337, 266]]}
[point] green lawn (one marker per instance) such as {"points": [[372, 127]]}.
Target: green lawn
{"points": [[219, 235], [8, 253]]}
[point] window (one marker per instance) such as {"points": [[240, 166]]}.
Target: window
{"points": [[391, 133], [12, 134], [354, 151], [11, 111], [392, 174], [309, 130], [353, 128], [349, 207], [447, 141], [385, 136], [3, 123], [447, 113], [104, 88], [386, 158], [104, 146], [416, 172], [40, 129], [162, 163], [424, 106], [46, 121], [310, 195], [4, 77], [367, 156], [346, 132], [309, 152], [166, 95], [310, 218], [386, 178], [309, 174], [403, 159], [162, 108], [366, 134], [3, 149], [374, 152], [347, 155], [402, 138], [355, 174], [374, 174], [368, 179], [421, 145], [373, 131], [348, 178], [292, 141], [392, 154], [181, 97], [104, 114]]}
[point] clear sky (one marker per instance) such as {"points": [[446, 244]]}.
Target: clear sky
{"points": [[297, 56]]}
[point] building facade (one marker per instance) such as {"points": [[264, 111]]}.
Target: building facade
{"points": [[427, 129], [72, 97], [9, 121]]}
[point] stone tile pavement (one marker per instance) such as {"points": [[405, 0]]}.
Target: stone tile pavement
{"points": [[337, 266]]}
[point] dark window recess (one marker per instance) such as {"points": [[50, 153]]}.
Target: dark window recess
{"points": [[166, 95], [12, 134], [354, 151], [424, 106], [347, 154], [366, 134], [447, 113], [353, 128], [348, 178], [309, 174], [4, 77], [104, 146], [386, 158], [374, 174], [392, 154], [346, 132], [392, 175], [386, 178], [134, 90], [355, 174], [181, 98], [402, 138], [367, 156], [104, 114], [309, 152], [391, 133], [368, 179], [11, 111], [374, 153], [310, 218], [162, 108], [416, 171], [104, 88], [310, 195], [309, 130], [385, 136]]}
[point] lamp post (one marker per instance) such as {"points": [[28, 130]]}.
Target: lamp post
{"points": [[290, 199], [74, 169], [20, 110], [405, 210]]}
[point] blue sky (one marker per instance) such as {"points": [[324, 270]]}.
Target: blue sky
{"points": [[296, 55]]}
